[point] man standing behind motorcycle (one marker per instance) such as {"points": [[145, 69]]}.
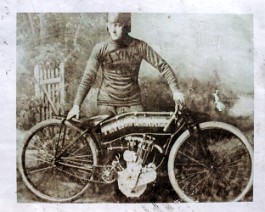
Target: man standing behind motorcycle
{"points": [[120, 58]]}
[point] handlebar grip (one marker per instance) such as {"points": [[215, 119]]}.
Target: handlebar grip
{"points": [[74, 120]]}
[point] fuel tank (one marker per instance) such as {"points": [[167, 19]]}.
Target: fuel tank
{"points": [[135, 122]]}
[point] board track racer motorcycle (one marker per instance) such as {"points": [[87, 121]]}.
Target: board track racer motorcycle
{"points": [[206, 162]]}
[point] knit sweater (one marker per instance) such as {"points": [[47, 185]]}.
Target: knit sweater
{"points": [[120, 63]]}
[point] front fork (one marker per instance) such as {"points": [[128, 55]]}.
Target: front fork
{"points": [[186, 121], [196, 133]]}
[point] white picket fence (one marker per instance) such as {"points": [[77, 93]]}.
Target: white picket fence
{"points": [[50, 89]]}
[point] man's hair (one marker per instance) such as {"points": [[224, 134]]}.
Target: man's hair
{"points": [[122, 18]]}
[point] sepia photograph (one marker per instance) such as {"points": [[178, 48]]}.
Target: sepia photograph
{"points": [[134, 107]]}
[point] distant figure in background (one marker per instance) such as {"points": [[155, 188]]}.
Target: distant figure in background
{"points": [[120, 58]]}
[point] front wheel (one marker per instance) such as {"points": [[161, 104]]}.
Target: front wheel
{"points": [[213, 165], [53, 178]]}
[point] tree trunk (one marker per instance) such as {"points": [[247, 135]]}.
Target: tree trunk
{"points": [[43, 28], [77, 32], [34, 35]]}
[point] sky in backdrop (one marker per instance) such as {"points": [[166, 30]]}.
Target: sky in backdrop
{"points": [[201, 45]]}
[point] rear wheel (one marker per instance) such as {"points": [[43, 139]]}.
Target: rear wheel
{"points": [[51, 178], [215, 165]]}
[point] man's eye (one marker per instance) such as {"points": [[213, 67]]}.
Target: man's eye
{"points": [[115, 25], [118, 25]]}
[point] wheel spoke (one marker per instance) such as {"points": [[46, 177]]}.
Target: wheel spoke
{"points": [[76, 150], [233, 162], [206, 177], [87, 168], [76, 160], [192, 159], [191, 175], [239, 165], [43, 148], [187, 164], [39, 159], [40, 169], [191, 183], [77, 156], [39, 180]]}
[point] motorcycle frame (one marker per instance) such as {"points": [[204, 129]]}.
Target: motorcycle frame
{"points": [[179, 121]]}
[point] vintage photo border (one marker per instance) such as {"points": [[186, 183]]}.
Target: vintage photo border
{"points": [[9, 8]]}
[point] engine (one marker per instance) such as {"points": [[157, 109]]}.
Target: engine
{"points": [[137, 136], [139, 172]]}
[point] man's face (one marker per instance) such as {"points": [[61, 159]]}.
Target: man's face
{"points": [[116, 30]]}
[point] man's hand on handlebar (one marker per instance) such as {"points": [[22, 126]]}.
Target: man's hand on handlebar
{"points": [[74, 112], [178, 97]]}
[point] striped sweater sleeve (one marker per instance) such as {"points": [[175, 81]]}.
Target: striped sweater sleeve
{"points": [[156, 61], [89, 76]]}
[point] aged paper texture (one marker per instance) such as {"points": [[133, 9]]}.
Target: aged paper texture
{"points": [[212, 54]]}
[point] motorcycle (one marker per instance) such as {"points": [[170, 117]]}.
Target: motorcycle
{"points": [[206, 161]]}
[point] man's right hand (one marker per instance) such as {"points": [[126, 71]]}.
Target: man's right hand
{"points": [[73, 112]]}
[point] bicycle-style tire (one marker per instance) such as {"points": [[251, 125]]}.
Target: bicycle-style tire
{"points": [[55, 182], [225, 176]]}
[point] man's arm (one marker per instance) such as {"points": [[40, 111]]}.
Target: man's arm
{"points": [[156, 61], [88, 79]]}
